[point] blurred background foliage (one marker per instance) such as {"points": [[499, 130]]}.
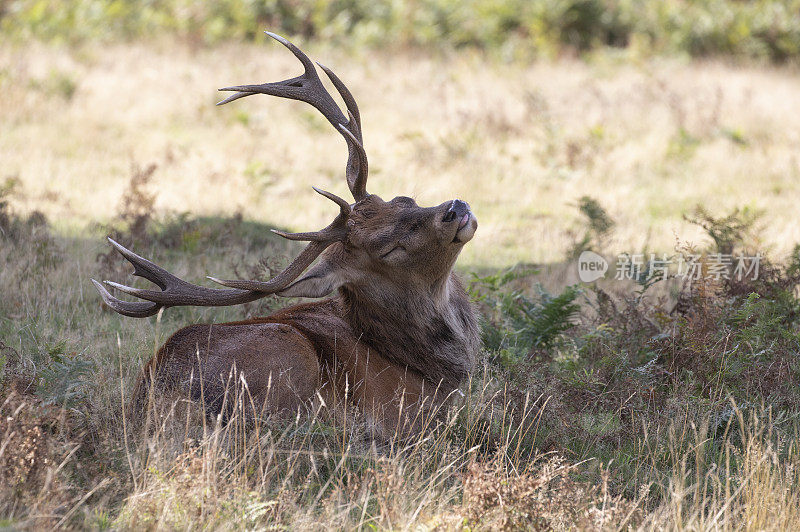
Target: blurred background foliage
{"points": [[764, 30]]}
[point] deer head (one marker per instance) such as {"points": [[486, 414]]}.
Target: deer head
{"points": [[371, 244]]}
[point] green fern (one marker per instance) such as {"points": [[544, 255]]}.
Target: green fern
{"points": [[540, 323], [65, 378], [515, 323]]}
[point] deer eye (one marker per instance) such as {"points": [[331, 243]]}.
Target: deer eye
{"points": [[393, 252]]}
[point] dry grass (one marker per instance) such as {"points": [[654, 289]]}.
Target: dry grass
{"points": [[321, 472], [521, 143]]}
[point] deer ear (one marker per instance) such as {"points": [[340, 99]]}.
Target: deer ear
{"points": [[319, 281]]}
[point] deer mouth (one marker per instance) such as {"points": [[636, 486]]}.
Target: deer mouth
{"points": [[460, 213], [466, 228]]}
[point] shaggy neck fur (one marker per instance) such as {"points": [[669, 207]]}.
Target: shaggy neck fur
{"points": [[434, 331]]}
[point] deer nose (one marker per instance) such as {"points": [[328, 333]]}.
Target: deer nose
{"points": [[457, 209]]}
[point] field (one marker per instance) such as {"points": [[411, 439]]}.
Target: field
{"points": [[593, 408]]}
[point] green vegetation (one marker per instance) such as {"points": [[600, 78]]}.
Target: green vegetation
{"points": [[514, 323], [761, 29]]}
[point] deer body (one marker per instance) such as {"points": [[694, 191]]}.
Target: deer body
{"points": [[323, 347], [396, 340]]}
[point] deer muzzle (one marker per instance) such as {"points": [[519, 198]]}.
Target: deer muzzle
{"points": [[467, 224]]}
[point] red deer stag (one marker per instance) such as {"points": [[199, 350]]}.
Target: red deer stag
{"points": [[399, 335]]}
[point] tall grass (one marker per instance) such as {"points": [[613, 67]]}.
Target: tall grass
{"points": [[320, 472], [740, 481]]}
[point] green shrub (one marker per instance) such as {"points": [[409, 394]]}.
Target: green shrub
{"points": [[761, 29], [730, 232], [597, 224]]}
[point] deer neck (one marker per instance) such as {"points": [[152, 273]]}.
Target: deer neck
{"points": [[432, 330]]}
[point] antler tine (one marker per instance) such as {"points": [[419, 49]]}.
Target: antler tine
{"points": [[337, 229], [133, 309], [143, 267], [234, 96], [357, 177], [344, 207], [313, 236], [357, 167], [309, 88], [347, 96]]}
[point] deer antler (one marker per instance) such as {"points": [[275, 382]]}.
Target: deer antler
{"points": [[309, 88], [177, 292]]}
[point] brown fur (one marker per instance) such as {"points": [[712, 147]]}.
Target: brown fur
{"points": [[397, 339]]}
